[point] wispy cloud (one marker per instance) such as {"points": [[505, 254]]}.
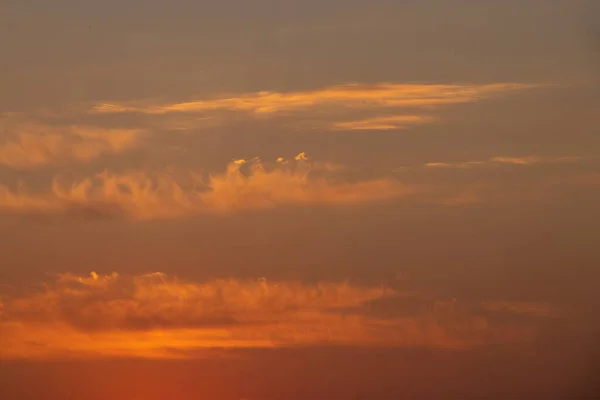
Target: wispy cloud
{"points": [[245, 185], [350, 95], [33, 145], [333, 108], [159, 316], [522, 160], [382, 123], [526, 160]]}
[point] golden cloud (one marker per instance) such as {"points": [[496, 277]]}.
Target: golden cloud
{"points": [[34, 145], [140, 195], [349, 95], [516, 160], [159, 316], [382, 123], [525, 160]]}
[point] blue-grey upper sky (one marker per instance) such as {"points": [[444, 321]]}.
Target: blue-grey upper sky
{"points": [[70, 51]]}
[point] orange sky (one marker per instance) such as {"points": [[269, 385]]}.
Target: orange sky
{"points": [[292, 200]]}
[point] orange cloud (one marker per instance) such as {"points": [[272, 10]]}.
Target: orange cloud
{"points": [[516, 160], [350, 95], [35, 145], [158, 316], [526, 160], [245, 185], [382, 123], [454, 165]]}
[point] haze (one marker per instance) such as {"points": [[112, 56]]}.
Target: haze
{"points": [[299, 199]]}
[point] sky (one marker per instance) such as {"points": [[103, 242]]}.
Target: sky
{"points": [[296, 200]]}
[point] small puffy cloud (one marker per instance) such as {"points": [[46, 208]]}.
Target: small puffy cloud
{"points": [[245, 185], [31, 145], [301, 156], [159, 316]]}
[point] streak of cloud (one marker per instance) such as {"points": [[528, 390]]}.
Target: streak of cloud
{"points": [[382, 123], [350, 95], [524, 161]]}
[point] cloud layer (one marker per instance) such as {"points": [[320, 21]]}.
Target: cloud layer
{"points": [[159, 316], [26, 142], [245, 185]]}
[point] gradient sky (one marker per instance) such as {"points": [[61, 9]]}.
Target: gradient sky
{"points": [[299, 199]]}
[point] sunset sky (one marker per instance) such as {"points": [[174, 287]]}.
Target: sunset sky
{"points": [[299, 200]]}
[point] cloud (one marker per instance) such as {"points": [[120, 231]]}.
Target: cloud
{"points": [[146, 302], [516, 160], [33, 145], [349, 95], [438, 165], [527, 160], [245, 185], [330, 108], [301, 156], [382, 123], [454, 165], [159, 316]]}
